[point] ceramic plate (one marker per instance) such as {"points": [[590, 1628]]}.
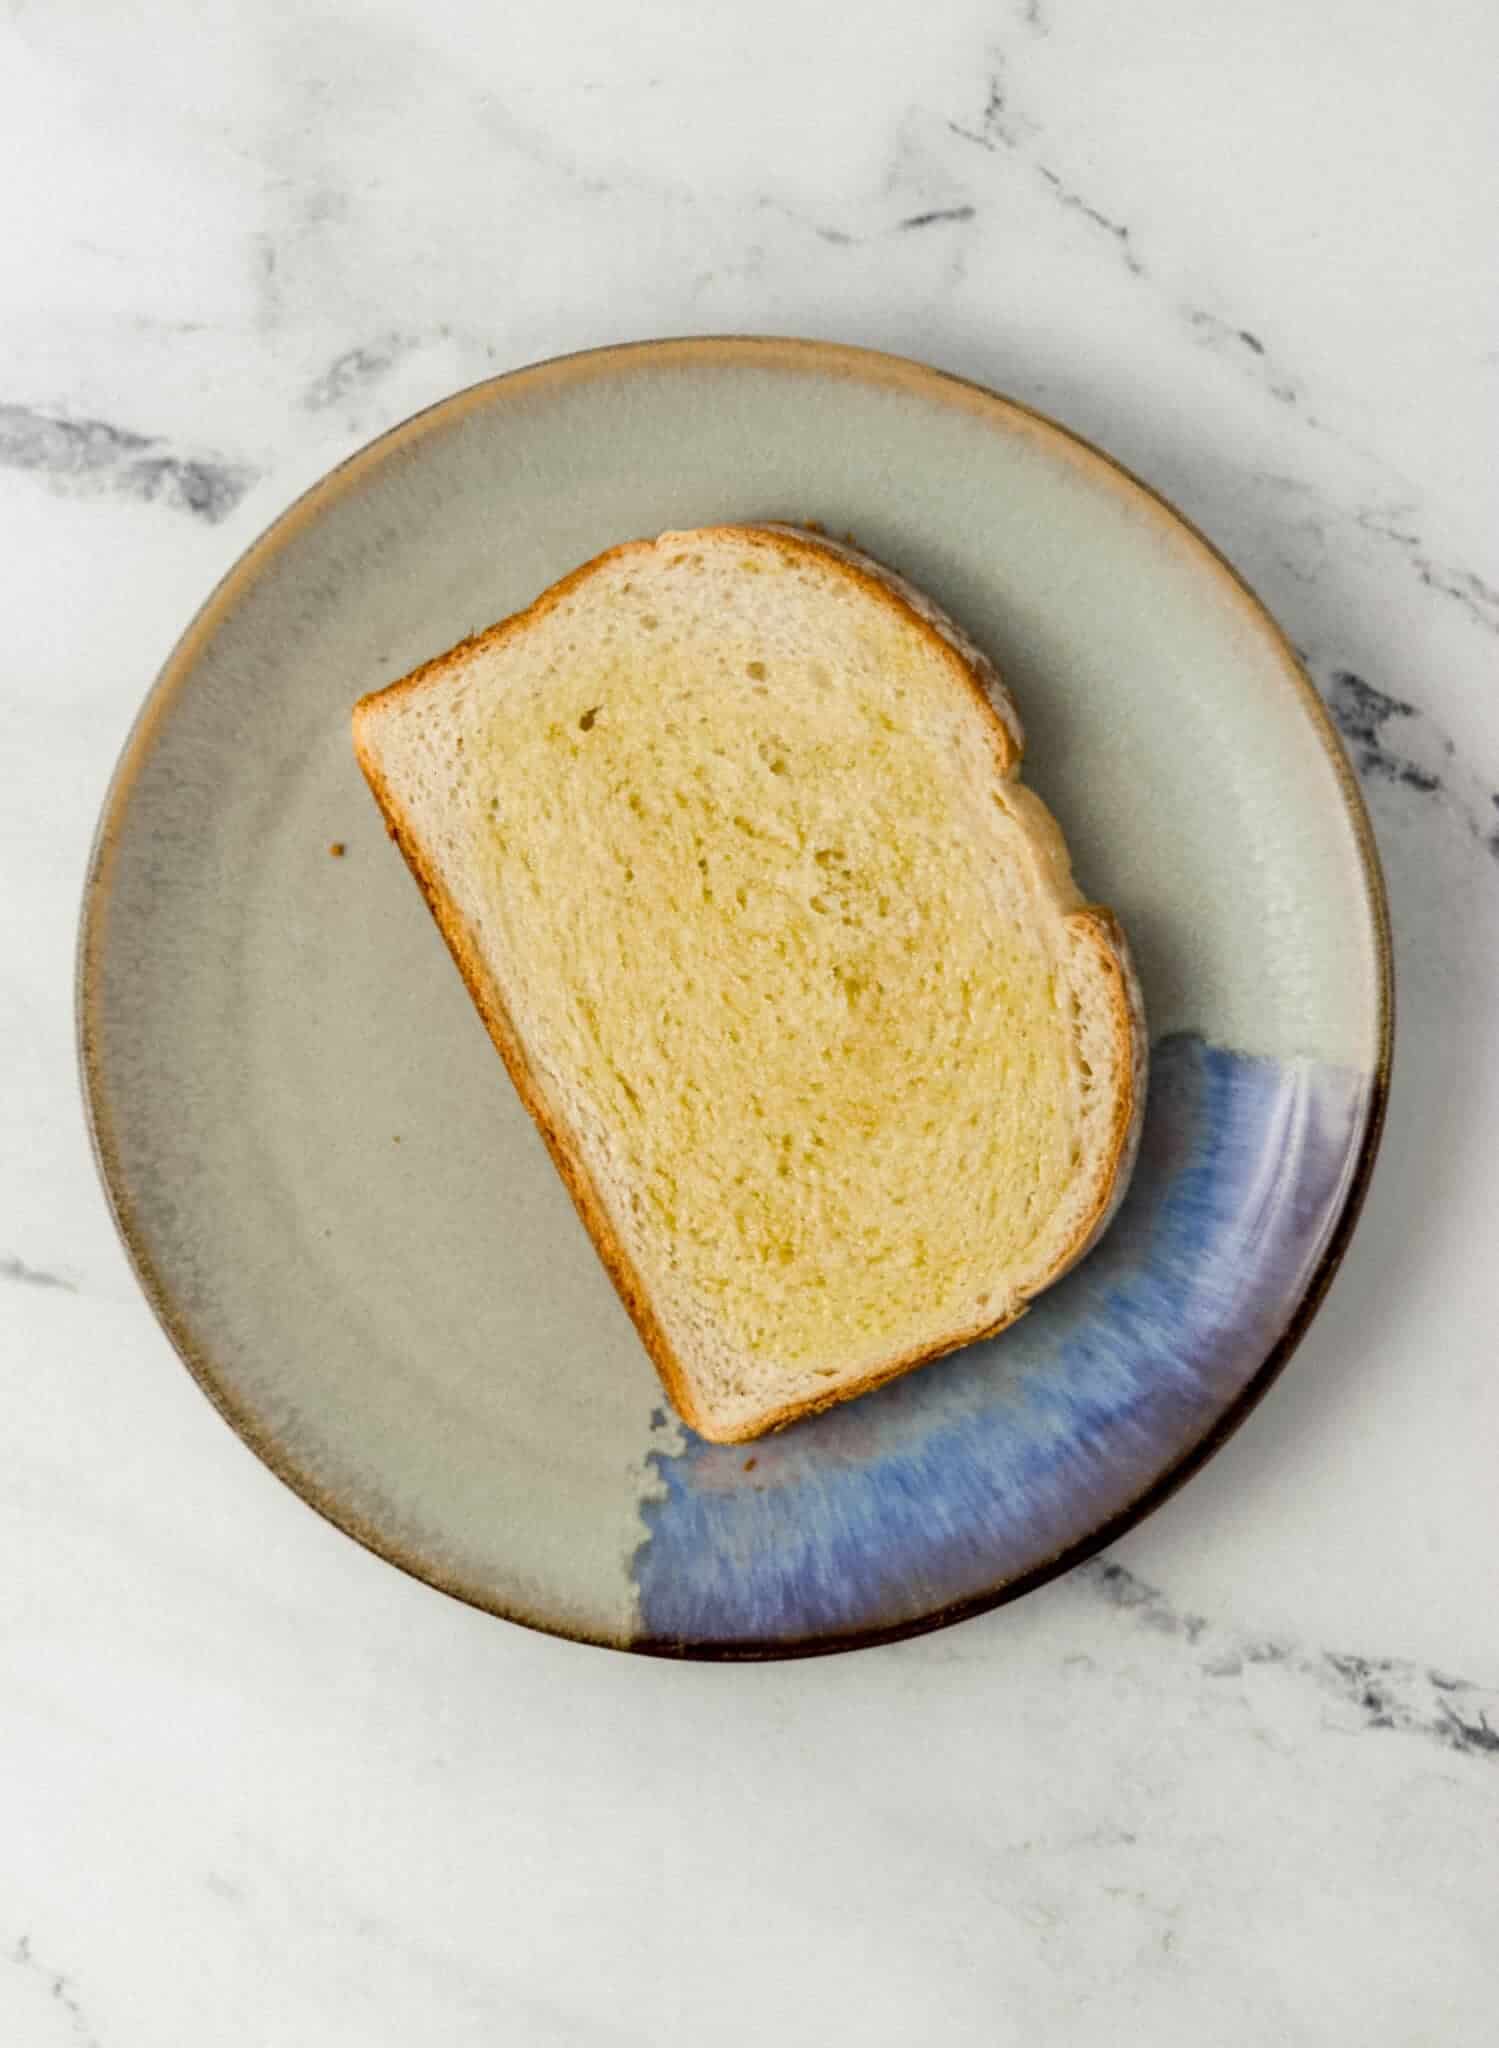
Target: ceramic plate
{"points": [[343, 1217]]}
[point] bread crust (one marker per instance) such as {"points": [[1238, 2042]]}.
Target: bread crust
{"points": [[1092, 923]]}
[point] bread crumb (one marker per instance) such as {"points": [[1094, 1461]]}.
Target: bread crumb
{"points": [[813, 526], [337, 848], [750, 1464]]}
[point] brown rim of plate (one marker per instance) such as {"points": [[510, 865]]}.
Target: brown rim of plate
{"points": [[835, 359]]}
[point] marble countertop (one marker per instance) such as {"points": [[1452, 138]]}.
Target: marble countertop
{"points": [[1239, 1780]]}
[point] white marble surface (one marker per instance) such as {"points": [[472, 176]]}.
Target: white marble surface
{"points": [[1241, 1782]]}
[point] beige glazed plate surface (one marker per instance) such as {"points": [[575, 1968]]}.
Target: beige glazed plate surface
{"points": [[343, 1217]]}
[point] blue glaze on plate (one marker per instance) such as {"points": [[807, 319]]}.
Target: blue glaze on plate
{"points": [[950, 1483]]}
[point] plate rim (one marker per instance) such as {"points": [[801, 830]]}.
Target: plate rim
{"points": [[880, 369]]}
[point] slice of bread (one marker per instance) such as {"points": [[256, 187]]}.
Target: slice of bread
{"points": [[725, 835]]}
